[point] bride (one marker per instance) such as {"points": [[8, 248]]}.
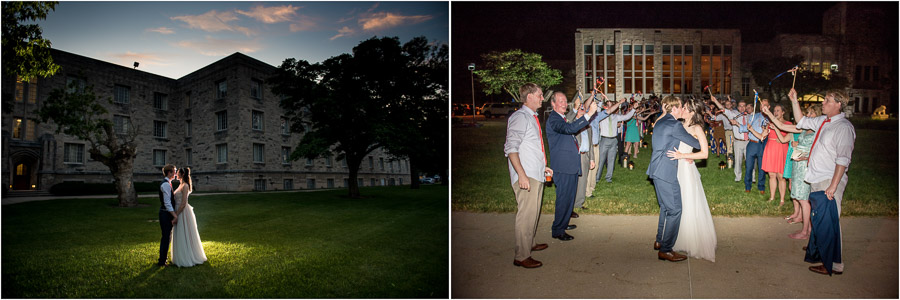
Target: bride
{"points": [[186, 248], [697, 236]]}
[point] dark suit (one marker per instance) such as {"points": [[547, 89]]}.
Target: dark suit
{"points": [[165, 223], [566, 164], [667, 133]]}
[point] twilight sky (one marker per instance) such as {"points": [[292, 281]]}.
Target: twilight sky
{"points": [[173, 39]]}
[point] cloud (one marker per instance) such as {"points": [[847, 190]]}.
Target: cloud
{"points": [[146, 59], [343, 32], [384, 20], [304, 23], [162, 30], [271, 15], [214, 21], [220, 47]]}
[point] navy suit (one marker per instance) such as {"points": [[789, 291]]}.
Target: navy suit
{"points": [[566, 164], [667, 133]]}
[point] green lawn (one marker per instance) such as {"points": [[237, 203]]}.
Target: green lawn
{"points": [[481, 180], [392, 244]]}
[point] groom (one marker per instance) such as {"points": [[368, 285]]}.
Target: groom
{"points": [[167, 216], [663, 171]]}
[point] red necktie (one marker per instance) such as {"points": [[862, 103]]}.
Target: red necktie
{"points": [[817, 136], [746, 137], [542, 138]]}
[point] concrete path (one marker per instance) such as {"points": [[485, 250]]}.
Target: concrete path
{"points": [[613, 257]]}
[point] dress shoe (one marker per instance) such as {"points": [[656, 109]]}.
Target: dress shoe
{"points": [[539, 247], [762, 192], [821, 270], [564, 237], [528, 263], [656, 246], [746, 191], [571, 226], [804, 248], [584, 208], [671, 256], [574, 214]]}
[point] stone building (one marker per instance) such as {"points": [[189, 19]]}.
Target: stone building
{"points": [[222, 121], [658, 61]]}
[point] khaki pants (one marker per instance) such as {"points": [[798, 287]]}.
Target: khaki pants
{"points": [[592, 174], [527, 215], [729, 136], [838, 196]]}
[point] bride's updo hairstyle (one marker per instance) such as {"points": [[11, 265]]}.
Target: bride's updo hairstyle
{"points": [[695, 106], [185, 175]]}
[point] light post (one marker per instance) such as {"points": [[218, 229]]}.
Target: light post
{"points": [[472, 76]]}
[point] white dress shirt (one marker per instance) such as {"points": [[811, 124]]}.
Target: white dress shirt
{"points": [[833, 147], [523, 137], [608, 125]]}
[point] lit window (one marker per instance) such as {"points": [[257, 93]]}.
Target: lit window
{"points": [[17, 128], [30, 129]]}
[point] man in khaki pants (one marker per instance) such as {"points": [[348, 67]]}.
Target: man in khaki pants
{"points": [[527, 167]]}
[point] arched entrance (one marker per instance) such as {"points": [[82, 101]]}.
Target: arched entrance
{"points": [[24, 171]]}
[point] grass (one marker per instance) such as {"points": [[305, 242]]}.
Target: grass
{"points": [[259, 245], [481, 180]]}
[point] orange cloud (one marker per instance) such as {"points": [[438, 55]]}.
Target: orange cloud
{"points": [[343, 32], [145, 59], [383, 20], [162, 30], [303, 24], [270, 15], [220, 47], [214, 21]]}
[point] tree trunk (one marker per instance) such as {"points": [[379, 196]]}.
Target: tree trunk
{"points": [[125, 187], [413, 175], [354, 174], [445, 179]]}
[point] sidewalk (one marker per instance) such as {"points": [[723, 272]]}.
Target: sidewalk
{"points": [[613, 257]]}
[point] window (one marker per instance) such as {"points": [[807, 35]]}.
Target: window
{"points": [[74, 153], [371, 163], [372, 182], [330, 183], [160, 101], [286, 155], [259, 184], [256, 120], [32, 90], [221, 89], [188, 128], [866, 73], [30, 129], [344, 162], [121, 94], [309, 162], [857, 75], [391, 182], [159, 157], [256, 89], [392, 166], [122, 124], [311, 183], [74, 85], [328, 161], [222, 120], [17, 128], [20, 89], [285, 129], [745, 86], [188, 156], [288, 184], [222, 153], [875, 74], [381, 163], [346, 182], [359, 182], [159, 129], [187, 100], [258, 151]]}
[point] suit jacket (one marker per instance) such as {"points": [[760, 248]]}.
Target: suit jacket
{"points": [[667, 133], [564, 157], [585, 140]]}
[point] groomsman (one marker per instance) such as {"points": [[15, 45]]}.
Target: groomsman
{"points": [[755, 148], [587, 158], [527, 164], [829, 159], [608, 140], [730, 117]]}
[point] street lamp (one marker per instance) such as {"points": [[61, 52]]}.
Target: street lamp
{"points": [[472, 76]]}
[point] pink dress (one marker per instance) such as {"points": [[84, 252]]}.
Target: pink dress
{"points": [[775, 153]]}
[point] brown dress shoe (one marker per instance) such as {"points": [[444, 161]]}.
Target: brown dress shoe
{"points": [[821, 270], [527, 263], [539, 247], [656, 246], [574, 214], [671, 256]]}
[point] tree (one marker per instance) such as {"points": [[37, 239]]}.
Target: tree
{"points": [[507, 71], [347, 104], [76, 112], [25, 52], [807, 82]]}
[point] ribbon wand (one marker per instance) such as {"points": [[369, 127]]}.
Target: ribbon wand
{"points": [[755, 100], [794, 71], [708, 90], [597, 88]]}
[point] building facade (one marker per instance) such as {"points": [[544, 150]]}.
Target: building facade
{"points": [[222, 121], [658, 61]]}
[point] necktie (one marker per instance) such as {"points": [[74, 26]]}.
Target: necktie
{"points": [[540, 135], [817, 137], [745, 125]]}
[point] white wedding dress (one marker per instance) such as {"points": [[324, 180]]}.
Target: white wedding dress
{"points": [[187, 250], [697, 235]]}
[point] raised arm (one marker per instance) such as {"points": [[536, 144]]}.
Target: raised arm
{"points": [[784, 127], [704, 147], [719, 105], [798, 114], [782, 138]]}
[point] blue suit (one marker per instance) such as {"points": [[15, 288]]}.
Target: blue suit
{"points": [[566, 164], [667, 133]]}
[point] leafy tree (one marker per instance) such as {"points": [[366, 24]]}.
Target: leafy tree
{"points": [[76, 112], [25, 52], [352, 104], [507, 71], [808, 82]]}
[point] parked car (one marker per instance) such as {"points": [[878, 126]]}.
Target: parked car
{"points": [[426, 180], [462, 109], [490, 110]]}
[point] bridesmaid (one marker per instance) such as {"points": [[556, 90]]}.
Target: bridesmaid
{"points": [[775, 153]]}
